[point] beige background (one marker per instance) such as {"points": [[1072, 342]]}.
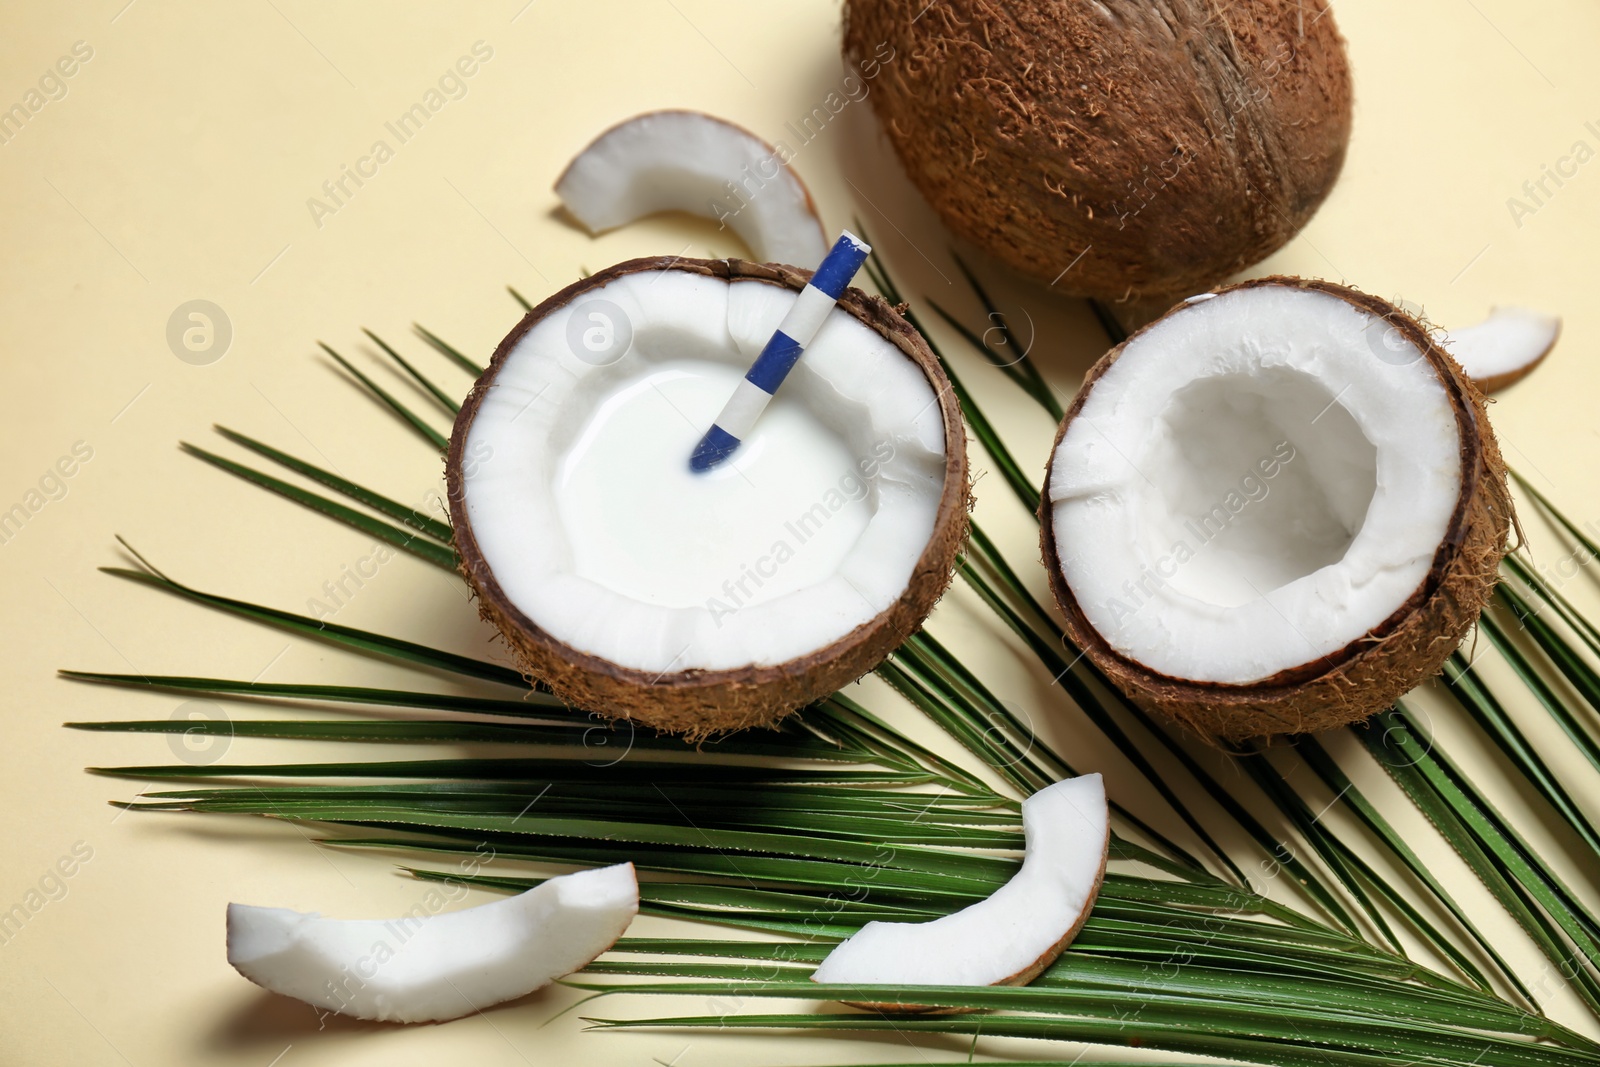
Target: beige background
{"points": [[178, 165]]}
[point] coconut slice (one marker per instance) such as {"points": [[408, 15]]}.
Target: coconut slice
{"points": [[1011, 937], [1504, 347], [1275, 509], [699, 603], [423, 967], [694, 162]]}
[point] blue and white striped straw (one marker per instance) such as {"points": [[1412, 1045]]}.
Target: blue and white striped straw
{"points": [[782, 352]]}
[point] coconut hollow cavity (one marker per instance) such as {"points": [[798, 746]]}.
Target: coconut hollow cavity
{"points": [[699, 604], [1113, 149], [1274, 510]]}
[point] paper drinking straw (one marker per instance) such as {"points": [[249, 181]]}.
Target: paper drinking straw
{"points": [[781, 353]]}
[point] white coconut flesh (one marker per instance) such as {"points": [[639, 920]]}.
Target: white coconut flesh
{"points": [[1028, 920], [693, 162], [1504, 345], [423, 967], [579, 494], [1260, 478]]}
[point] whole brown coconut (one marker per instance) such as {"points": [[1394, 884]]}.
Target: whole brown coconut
{"points": [[1369, 673], [1114, 149], [701, 703]]}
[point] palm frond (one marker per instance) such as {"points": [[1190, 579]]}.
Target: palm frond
{"points": [[438, 554], [454, 354], [304, 625], [438, 440], [439, 531], [837, 818], [444, 399]]}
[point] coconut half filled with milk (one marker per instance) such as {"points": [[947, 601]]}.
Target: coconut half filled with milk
{"points": [[700, 603]]}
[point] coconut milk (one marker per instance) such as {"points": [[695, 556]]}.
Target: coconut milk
{"points": [[778, 517]]}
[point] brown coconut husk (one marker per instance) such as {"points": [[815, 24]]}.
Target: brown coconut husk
{"points": [[1152, 153], [701, 703], [1369, 674]]}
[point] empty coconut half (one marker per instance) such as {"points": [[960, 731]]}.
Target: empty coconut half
{"points": [[1276, 509], [694, 162], [426, 967], [1013, 935], [699, 603], [1504, 347]]}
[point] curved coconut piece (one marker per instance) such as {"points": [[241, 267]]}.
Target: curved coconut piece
{"points": [[424, 967], [694, 162], [1505, 347], [1274, 510], [1019, 930], [1113, 149], [702, 603]]}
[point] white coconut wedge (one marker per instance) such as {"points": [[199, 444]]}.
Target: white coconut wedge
{"points": [[701, 603], [423, 967], [694, 162], [1503, 348], [1276, 509], [1013, 935]]}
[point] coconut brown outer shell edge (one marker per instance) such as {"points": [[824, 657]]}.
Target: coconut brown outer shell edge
{"points": [[1370, 673], [701, 703]]}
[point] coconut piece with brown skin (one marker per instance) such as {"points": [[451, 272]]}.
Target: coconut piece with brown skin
{"points": [[1274, 510], [690, 161], [1504, 348], [1113, 149], [1013, 935], [641, 591]]}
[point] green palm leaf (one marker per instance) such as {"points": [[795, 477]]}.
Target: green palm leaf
{"points": [[454, 354], [439, 531], [444, 399], [437, 554], [409, 417], [838, 818]]}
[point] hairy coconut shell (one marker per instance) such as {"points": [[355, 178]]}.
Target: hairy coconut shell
{"points": [[700, 703], [1115, 149], [1391, 659]]}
